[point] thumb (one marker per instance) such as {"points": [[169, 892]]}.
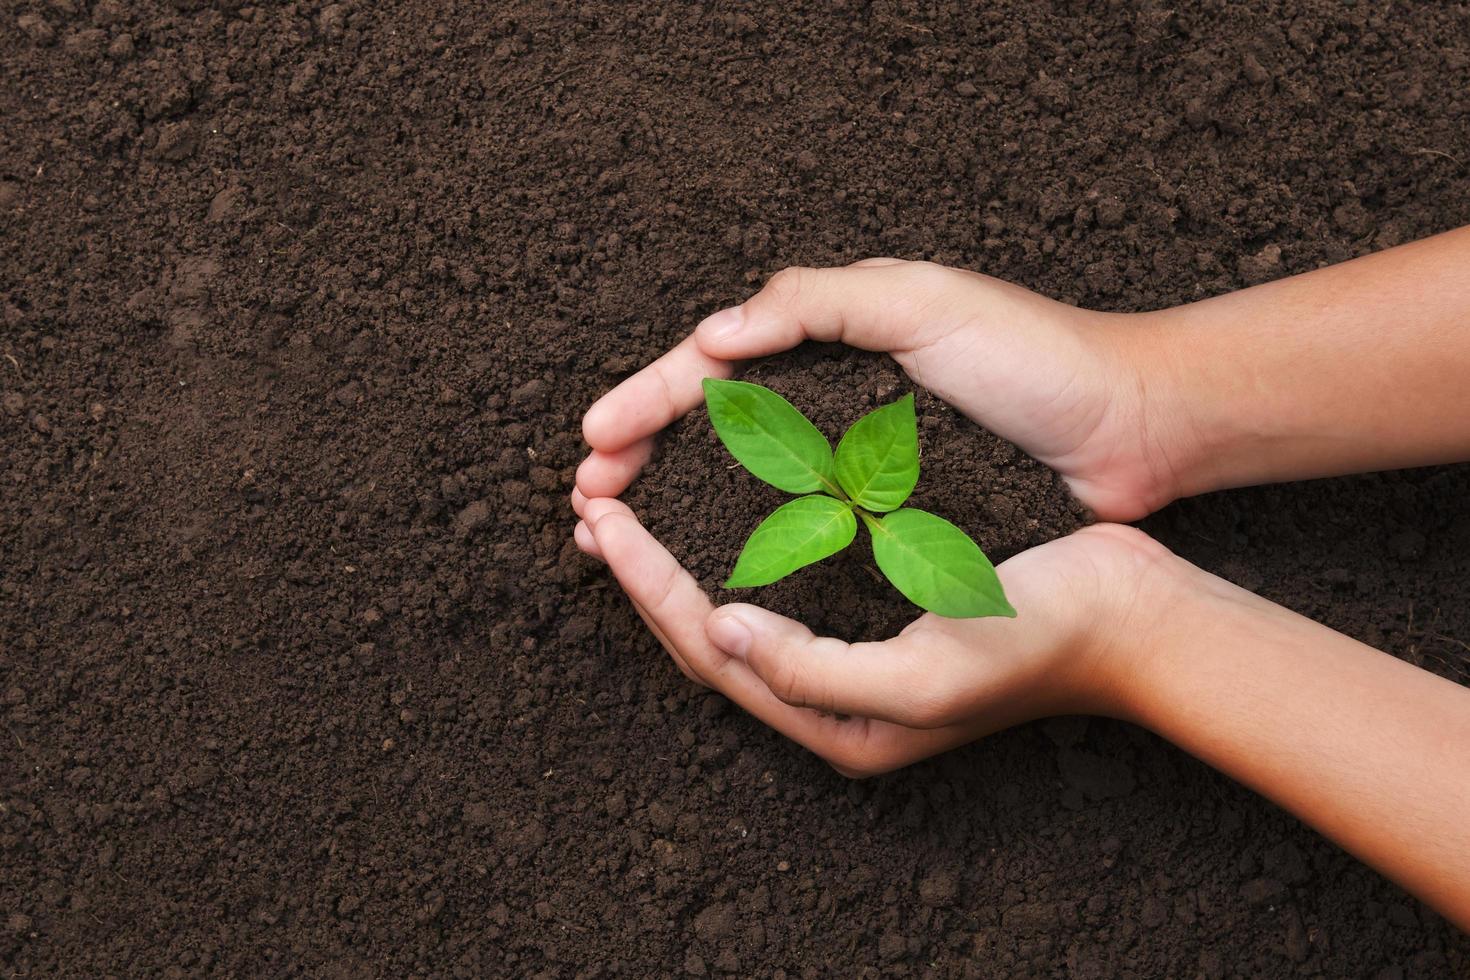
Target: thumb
{"points": [[878, 304], [893, 681]]}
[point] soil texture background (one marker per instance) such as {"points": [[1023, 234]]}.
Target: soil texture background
{"points": [[300, 305]]}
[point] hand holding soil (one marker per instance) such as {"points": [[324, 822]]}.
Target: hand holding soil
{"points": [[1133, 411]]}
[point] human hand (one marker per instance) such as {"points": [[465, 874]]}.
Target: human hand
{"points": [[939, 684], [1066, 385]]}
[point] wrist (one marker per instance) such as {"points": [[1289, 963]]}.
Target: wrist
{"points": [[1207, 415], [1149, 447], [1167, 389], [1148, 609]]}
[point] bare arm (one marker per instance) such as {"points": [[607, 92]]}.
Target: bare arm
{"points": [[1372, 752], [1355, 367]]}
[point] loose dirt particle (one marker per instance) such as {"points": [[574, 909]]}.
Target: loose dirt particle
{"points": [[36, 28]]}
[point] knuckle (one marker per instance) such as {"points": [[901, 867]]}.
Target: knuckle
{"points": [[659, 594], [785, 286], [934, 703], [787, 681], [669, 403], [926, 276]]}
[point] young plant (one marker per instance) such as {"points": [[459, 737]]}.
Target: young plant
{"points": [[876, 466]]}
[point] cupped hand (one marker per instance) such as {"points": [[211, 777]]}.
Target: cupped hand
{"points": [[1064, 384], [867, 708], [1067, 385]]}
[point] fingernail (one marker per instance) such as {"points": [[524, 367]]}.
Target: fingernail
{"points": [[730, 635], [718, 326]]}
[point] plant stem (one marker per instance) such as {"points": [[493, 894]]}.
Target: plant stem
{"points": [[833, 490]]}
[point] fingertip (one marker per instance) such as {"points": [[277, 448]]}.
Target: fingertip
{"points": [[582, 535], [762, 325], [598, 508], [744, 630], [736, 610], [597, 428], [621, 540], [585, 473], [758, 618], [579, 501], [728, 630], [607, 474], [717, 329]]}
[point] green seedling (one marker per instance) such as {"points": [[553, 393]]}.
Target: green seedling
{"points": [[875, 469]]}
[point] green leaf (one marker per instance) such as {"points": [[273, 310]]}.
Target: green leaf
{"points": [[796, 534], [878, 459], [769, 436], [936, 565]]}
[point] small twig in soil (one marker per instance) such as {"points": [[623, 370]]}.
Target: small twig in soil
{"points": [[1450, 639], [14, 363], [1426, 151], [548, 81]]}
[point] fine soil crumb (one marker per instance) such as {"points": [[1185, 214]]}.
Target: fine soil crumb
{"points": [[703, 505]]}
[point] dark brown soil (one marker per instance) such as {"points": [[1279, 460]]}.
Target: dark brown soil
{"points": [[702, 505], [299, 308]]}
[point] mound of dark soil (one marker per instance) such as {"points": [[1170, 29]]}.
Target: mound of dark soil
{"points": [[300, 305], [702, 507]]}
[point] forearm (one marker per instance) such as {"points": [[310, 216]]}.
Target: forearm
{"points": [[1372, 752], [1356, 367]]}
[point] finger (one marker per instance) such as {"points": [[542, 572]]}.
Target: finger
{"points": [[667, 597], [675, 608], [879, 305], [582, 535], [902, 680], [672, 600], [651, 399], [607, 474], [598, 509], [579, 501], [669, 647]]}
